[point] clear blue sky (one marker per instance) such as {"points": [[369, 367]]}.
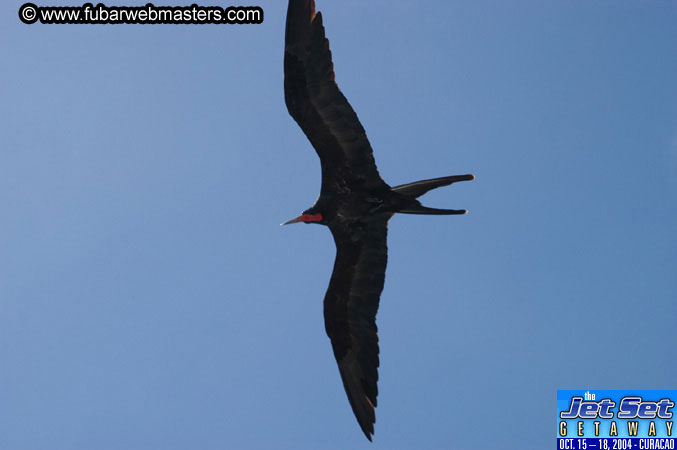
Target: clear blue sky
{"points": [[149, 299]]}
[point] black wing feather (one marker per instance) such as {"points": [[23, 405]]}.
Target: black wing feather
{"points": [[350, 307], [318, 106]]}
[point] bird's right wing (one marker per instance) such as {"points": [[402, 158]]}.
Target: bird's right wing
{"points": [[350, 307], [318, 106]]}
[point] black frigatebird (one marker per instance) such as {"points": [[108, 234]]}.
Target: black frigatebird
{"points": [[354, 202]]}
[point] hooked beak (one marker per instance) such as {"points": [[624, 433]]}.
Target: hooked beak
{"points": [[305, 218], [297, 220]]}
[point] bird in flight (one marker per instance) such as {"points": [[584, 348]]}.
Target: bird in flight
{"points": [[354, 202]]}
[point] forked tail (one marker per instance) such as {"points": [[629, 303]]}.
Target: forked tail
{"points": [[418, 188]]}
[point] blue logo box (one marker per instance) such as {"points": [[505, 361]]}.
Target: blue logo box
{"points": [[616, 419]]}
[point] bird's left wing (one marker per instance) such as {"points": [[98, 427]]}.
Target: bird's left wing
{"points": [[318, 106], [350, 307]]}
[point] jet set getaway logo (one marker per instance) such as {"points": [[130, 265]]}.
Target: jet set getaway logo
{"points": [[615, 419]]}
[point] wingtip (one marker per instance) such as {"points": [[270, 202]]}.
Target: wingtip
{"points": [[368, 431]]}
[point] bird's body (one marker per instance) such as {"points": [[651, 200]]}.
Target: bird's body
{"points": [[354, 202]]}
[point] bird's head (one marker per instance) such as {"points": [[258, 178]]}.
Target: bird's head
{"points": [[312, 215]]}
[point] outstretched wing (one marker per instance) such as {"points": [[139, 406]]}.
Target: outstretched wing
{"points": [[318, 106], [350, 307]]}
